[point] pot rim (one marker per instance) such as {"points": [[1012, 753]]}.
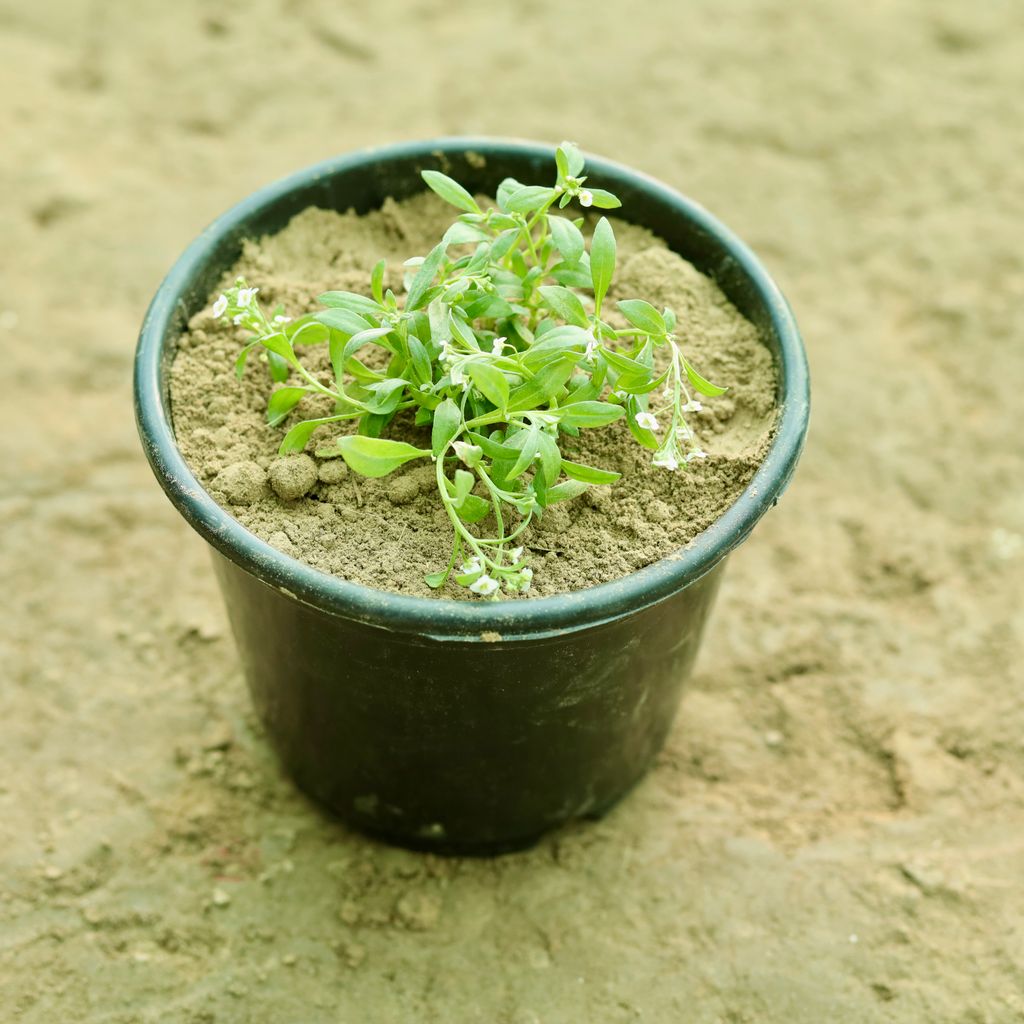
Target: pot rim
{"points": [[448, 618]]}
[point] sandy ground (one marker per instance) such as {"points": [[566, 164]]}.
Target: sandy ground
{"points": [[836, 830]]}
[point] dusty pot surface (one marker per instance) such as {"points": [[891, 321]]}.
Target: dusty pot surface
{"points": [[455, 725]]}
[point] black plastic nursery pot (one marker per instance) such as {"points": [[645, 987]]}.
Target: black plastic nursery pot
{"points": [[464, 726]]}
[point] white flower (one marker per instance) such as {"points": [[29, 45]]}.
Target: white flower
{"points": [[484, 586], [245, 296], [497, 346], [515, 554], [665, 460], [236, 319], [219, 306], [692, 406], [473, 565], [458, 377], [695, 454], [591, 345], [445, 354], [647, 420], [279, 319], [519, 582], [586, 197]]}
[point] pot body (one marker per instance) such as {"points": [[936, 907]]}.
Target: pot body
{"points": [[464, 726], [471, 746]]}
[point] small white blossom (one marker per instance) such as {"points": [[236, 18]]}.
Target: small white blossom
{"points": [[515, 554], [220, 306], [473, 565], [692, 406], [497, 346], [527, 575], [586, 197], [458, 377], [246, 295], [280, 319], [647, 420], [236, 319], [665, 460], [591, 345], [484, 586], [695, 454]]}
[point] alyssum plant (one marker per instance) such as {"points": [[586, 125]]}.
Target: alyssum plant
{"points": [[498, 352]]}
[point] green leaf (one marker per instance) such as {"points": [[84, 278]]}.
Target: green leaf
{"points": [[604, 200], [435, 580], [635, 384], [528, 442], [306, 331], [590, 414], [296, 438], [424, 278], [643, 315], [505, 191], [503, 244], [344, 320], [464, 234], [543, 386], [278, 368], [473, 509], [528, 198], [573, 275], [567, 237], [342, 349], [564, 303], [461, 330], [387, 395], [361, 372], [464, 481], [280, 346], [351, 301], [565, 491], [492, 449], [562, 163], [550, 458], [568, 339], [573, 158], [447, 420], [243, 356], [588, 474], [705, 387], [642, 434], [371, 425], [420, 360], [450, 191], [624, 364], [282, 401], [491, 383], [377, 280], [376, 456], [602, 260]]}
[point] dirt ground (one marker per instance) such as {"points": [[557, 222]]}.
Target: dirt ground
{"points": [[836, 829]]}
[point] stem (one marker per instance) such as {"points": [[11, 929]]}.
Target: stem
{"points": [[495, 502], [457, 523]]}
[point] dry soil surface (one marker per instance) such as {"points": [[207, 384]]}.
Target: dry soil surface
{"points": [[836, 829]]}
